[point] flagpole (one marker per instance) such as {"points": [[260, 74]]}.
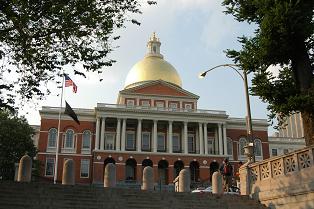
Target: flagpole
{"points": [[58, 138]]}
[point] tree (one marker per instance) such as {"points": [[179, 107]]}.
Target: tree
{"points": [[38, 37], [15, 141], [284, 37]]}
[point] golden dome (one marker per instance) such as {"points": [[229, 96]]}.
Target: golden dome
{"points": [[152, 67]]}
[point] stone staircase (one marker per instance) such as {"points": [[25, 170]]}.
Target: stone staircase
{"points": [[48, 196]]}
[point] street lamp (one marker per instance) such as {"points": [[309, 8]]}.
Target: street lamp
{"points": [[249, 148]]}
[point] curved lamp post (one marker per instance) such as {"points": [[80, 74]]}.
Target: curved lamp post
{"points": [[248, 149]]}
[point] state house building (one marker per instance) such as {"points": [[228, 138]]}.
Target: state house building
{"points": [[154, 123]]}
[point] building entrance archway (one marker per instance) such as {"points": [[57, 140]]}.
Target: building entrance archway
{"points": [[195, 171], [163, 172], [130, 169]]}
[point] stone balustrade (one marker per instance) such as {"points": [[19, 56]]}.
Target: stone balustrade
{"points": [[282, 165], [281, 182]]}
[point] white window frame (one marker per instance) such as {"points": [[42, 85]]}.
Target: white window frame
{"points": [[72, 148], [210, 145], [179, 140], [164, 139], [88, 168], [126, 140], [193, 143], [272, 151], [86, 150], [261, 150], [145, 103], [160, 104], [53, 166], [113, 135], [149, 145], [241, 148], [173, 105], [52, 148], [130, 102]]}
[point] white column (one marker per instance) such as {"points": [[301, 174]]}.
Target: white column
{"points": [[216, 141], [102, 133], [97, 134], [118, 132], [225, 139], [205, 139], [139, 135], [220, 139], [185, 137], [123, 135], [155, 136], [201, 139], [170, 136]]}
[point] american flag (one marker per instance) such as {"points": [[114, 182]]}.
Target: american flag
{"points": [[69, 82]]}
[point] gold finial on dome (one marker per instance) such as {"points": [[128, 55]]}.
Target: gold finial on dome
{"points": [[153, 47]]}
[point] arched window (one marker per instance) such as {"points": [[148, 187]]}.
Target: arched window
{"points": [[258, 147], [69, 139], [52, 137], [86, 139], [229, 146], [242, 143]]}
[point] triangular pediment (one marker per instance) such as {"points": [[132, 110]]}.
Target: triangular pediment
{"points": [[160, 88]]}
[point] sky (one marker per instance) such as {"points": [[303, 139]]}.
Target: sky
{"points": [[193, 35]]}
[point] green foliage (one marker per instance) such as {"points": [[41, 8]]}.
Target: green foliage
{"points": [[38, 37], [284, 37], [15, 141]]}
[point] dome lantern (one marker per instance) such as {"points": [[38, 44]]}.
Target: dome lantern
{"points": [[153, 67], [153, 47]]}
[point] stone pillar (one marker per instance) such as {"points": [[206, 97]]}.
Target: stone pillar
{"points": [[216, 141], [201, 139], [110, 175], [217, 183], [205, 139], [68, 173], [220, 139], [184, 180], [245, 186], [225, 139], [25, 169], [148, 179], [118, 131], [185, 137], [102, 134], [139, 135], [123, 135], [155, 136], [170, 146], [97, 134]]}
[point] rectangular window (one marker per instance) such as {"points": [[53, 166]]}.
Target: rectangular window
{"points": [[84, 168], [176, 143], [129, 102], [160, 104], [173, 105], [191, 144], [130, 140], [50, 167], [109, 142], [146, 141], [161, 143], [145, 103], [210, 145], [274, 152]]}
